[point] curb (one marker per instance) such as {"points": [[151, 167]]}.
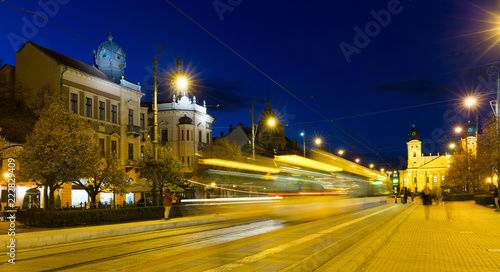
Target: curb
{"points": [[47, 238]]}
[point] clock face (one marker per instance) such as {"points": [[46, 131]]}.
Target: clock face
{"points": [[470, 130], [413, 133]]}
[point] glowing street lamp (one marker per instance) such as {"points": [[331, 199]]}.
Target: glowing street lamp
{"points": [[371, 165], [271, 121], [303, 142], [452, 146], [458, 129], [341, 152], [317, 141], [357, 160], [471, 102], [382, 170], [181, 82]]}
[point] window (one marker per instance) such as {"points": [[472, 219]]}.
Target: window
{"points": [[101, 111], [187, 161], [142, 121], [130, 151], [113, 148], [183, 160], [130, 117], [88, 107], [113, 114], [164, 135], [74, 103], [199, 136], [187, 135], [182, 135], [414, 154], [101, 146]]}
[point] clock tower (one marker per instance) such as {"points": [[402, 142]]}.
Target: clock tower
{"points": [[414, 148]]}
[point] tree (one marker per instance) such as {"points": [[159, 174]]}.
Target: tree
{"points": [[469, 170], [107, 174], [168, 167], [220, 149], [61, 147]]}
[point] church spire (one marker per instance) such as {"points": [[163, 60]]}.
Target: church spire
{"points": [[178, 64]]}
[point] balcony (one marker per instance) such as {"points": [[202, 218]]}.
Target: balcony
{"points": [[133, 130]]}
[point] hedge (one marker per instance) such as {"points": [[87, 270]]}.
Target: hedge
{"points": [[53, 219], [484, 200], [458, 197]]}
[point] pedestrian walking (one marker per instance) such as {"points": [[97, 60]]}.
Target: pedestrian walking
{"points": [[427, 201], [167, 202], [495, 196], [412, 196]]}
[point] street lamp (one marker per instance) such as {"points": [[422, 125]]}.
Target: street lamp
{"points": [[317, 141], [271, 122], [471, 102], [371, 165], [181, 83], [357, 160], [303, 142], [452, 146], [159, 50], [341, 152]]}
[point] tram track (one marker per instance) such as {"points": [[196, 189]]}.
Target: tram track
{"points": [[156, 238]]}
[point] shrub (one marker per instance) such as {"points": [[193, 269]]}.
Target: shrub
{"points": [[458, 197], [53, 219], [484, 200], [26, 200]]}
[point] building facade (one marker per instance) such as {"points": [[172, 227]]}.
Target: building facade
{"points": [[183, 125], [99, 94], [429, 170]]}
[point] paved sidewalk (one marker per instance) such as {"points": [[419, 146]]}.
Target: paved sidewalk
{"points": [[467, 241]]}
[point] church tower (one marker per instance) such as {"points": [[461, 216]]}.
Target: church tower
{"points": [[110, 59], [414, 148], [469, 139]]}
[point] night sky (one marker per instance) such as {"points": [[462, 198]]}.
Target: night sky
{"points": [[412, 68]]}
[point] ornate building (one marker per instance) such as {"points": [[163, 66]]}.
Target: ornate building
{"points": [[183, 125], [101, 94], [429, 170]]}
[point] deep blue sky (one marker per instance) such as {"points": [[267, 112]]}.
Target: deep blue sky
{"points": [[424, 56]]}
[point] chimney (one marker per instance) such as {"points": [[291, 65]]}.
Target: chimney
{"points": [[222, 134], [230, 128]]}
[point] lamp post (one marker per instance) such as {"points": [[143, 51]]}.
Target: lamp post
{"points": [[303, 142], [271, 122], [159, 50], [470, 102]]}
